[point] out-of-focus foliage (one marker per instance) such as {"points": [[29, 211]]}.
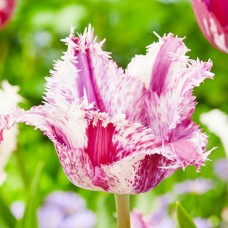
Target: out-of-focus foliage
{"points": [[30, 43]]}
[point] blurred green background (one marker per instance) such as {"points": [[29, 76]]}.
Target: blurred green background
{"points": [[31, 42]]}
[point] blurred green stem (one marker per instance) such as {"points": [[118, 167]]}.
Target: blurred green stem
{"points": [[123, 210], [22, 168]]}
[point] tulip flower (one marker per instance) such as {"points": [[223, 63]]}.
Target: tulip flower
{"points": [[212, 18], [121, 131], [9, 99], [6, 10]]}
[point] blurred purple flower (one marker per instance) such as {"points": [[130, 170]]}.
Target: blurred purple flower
{"points": [[17, 209], [137, 220], [221, 169], [202, 223], [68, 201], [9, 100], [65, 210], [212, 18], [122, 132], [6, 10], [140, 221], [198, 186], [159, 218]]}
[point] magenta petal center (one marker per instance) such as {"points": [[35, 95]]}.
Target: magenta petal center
{"points": [[100, 148]]}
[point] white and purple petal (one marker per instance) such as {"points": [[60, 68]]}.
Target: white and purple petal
{"points": [[86, 70]]}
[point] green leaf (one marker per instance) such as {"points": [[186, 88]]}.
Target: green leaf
{"points": [[7, 219], [29, 219], [183, 218]]}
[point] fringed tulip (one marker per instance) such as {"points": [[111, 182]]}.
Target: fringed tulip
{"points": [[212, 18], [6, 10], [9, 99], [121, 131]]}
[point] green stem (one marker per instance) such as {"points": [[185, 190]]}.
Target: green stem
{"points": [[123, 210], [21, 168]]}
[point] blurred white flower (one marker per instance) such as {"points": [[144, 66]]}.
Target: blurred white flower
{"points": [[65, 210], [217, 122], [9, 99], [18, 209]]}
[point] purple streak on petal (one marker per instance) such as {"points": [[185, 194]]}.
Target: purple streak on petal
{"points": [[162, 63], [86, 80], [86, 49], [105, 83], [183, 75], [100, 179]]}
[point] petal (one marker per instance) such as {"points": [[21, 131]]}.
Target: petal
{"points": [[63, 125], [136, 174], [176, 103], [144, 169], [77, 167], [88, 71], [189, 144], [100, 152], [77, 135], [105, 84], [169, 77], [157, 63]]}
